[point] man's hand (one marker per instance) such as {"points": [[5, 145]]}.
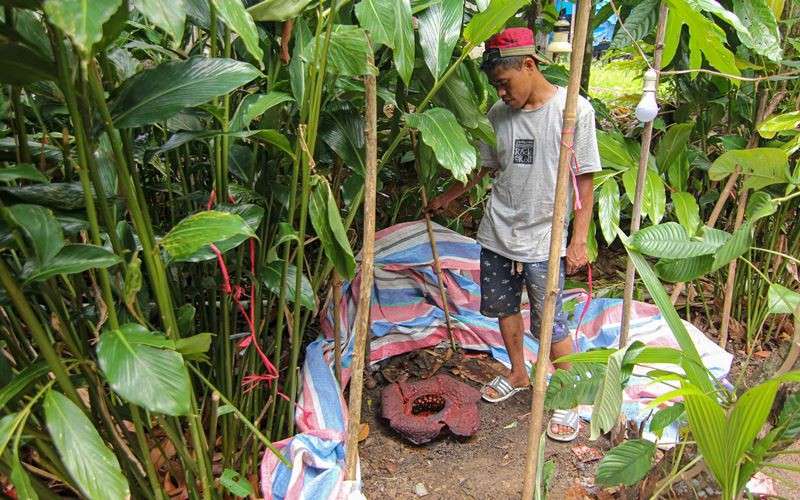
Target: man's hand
{"points": [[577, 256], [438, 205]]}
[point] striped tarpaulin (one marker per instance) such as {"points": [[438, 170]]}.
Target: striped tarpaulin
{"points": [[406, 314]]}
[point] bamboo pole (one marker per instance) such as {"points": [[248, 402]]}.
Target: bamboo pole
{"points": [[644, 155], [556, 238], [367, 263]]}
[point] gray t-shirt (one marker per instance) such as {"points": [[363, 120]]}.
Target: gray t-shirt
{"points": [[519, 216]]}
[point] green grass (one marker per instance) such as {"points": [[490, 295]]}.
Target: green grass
{"points": [[616, 81]]}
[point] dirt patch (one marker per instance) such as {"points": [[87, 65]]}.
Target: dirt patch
{"points": [[490, 464]]}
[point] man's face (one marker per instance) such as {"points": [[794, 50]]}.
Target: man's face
{"points": [[513, 84]]}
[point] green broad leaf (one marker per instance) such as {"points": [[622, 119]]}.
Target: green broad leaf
{"points": [[687, 211], [608, 403], [21, 480], [490, 21], [734, 248], [285, 233], [663, 418], [672, 40], [692, 364], [82, 21], [271, 276], [782, 300], [763, 166], [255, 105], [277, 10], [143, 367], [194, 348], [251, 214], [154, 95], [673, 145], [202, 229], [235, 483], [757, 17], [705, 38], [90, 463], [709, 428], [21, 382], [747, 418], [8, 150], [759, 205], [654, 202], [21, 171], [577, 386], [683, 270], [669, 241], [342, 129], [41, 229], [71, 259], [789, 419], [592, 248], [234, 15], [439, 28], [169, 15], [444, 135], [608, 201], [275, 138], [678, 174], [779, 123], [298, 69], [389, 22], [714, 236], [614, 151], [21, 65], [8, 426], [640, 23], [185, 316], [347, 52], [330, 229], [626, 464]]}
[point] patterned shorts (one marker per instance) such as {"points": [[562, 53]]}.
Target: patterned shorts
{"points": [[501, 291]]}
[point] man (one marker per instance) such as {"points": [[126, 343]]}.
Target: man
{"points": [[515, 231]]}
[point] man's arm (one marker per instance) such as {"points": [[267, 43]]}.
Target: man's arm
{"points": [[577, 253], [441, 202]]}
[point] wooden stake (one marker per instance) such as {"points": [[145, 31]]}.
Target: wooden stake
{"points": [[337, 330], [367, 265], [556, 238], [439, 276], [435, 250], [644, 155]]}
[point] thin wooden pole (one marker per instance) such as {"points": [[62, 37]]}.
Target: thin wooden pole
{"points": [[728, 300], [337, 327], [367, 265], [435, 250], [556, 238], [438, 267], [644, 155]]}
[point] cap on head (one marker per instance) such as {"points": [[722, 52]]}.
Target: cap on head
{"points": [[510, 42]]}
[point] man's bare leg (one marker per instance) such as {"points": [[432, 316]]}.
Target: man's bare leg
{"points": [[512, 328]]}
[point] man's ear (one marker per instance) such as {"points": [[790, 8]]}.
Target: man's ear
{"points": [[529, 64]]}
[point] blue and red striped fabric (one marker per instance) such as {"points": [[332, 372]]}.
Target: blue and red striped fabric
{"points": [[406, 315]]}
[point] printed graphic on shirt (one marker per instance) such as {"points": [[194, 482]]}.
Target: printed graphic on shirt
{"points": [[523, 151]]}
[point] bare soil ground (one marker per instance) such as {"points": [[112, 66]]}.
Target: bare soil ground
{"points": [[491, 464]]}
